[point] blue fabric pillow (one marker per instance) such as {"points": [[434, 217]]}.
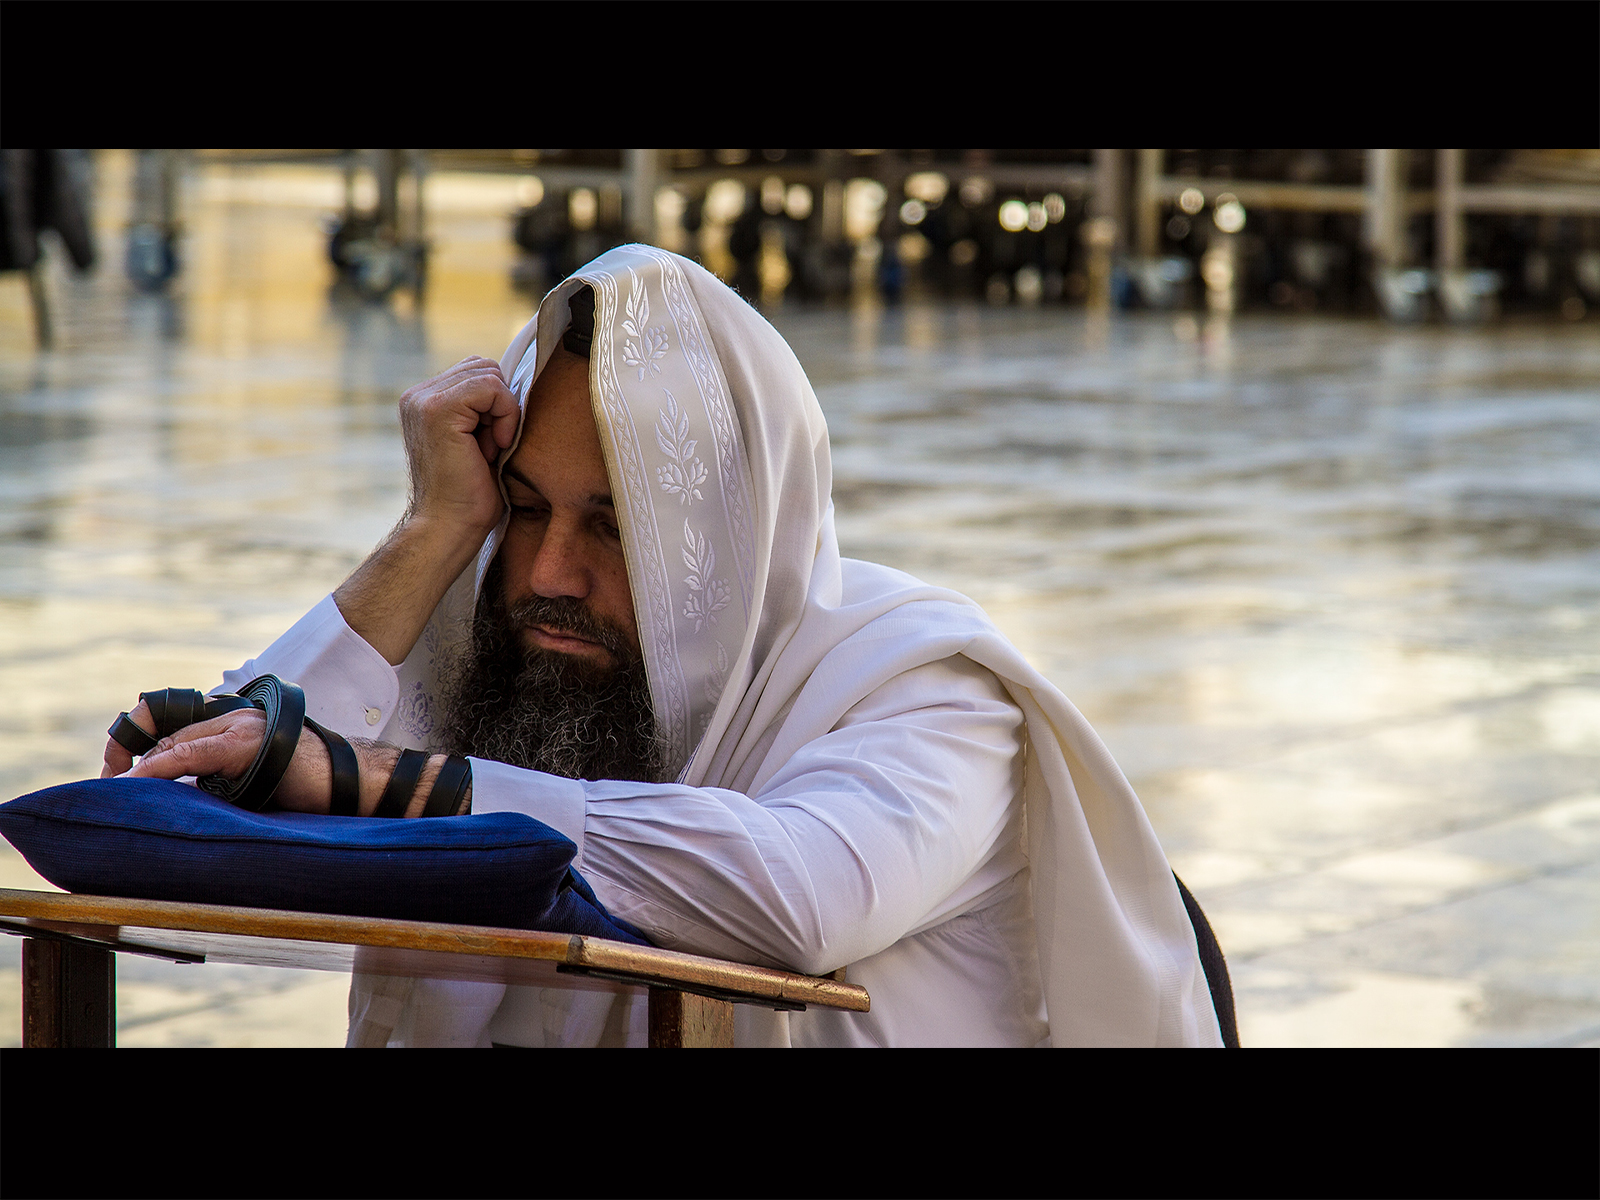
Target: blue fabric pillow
{"points": [[153, 839]]}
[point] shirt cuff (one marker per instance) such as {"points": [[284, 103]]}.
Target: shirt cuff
{"points": [[349, 686], [560, 803]]}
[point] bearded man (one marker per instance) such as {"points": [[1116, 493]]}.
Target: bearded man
{"points": [[617, 589]]}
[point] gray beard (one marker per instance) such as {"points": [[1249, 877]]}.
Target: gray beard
{"points": [[547, 711]]}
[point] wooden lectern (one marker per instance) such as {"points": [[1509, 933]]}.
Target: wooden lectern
{"points": [[69, 973]]}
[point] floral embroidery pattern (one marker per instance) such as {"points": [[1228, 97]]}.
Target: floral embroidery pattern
{"points": [[685, 474], [715, 681], [728, 450], [707, 596], [643, 347], [416, 712], [669, 690]]}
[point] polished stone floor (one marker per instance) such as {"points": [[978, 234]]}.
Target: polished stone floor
{"points": [[1330, 589]]}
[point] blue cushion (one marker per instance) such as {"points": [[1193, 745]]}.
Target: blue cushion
{"points": [[153, 839]]}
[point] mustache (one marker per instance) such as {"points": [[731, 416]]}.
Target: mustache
{"points": [[571, 616]]}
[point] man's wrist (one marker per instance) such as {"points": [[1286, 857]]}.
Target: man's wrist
{"points": [[388, 599]]}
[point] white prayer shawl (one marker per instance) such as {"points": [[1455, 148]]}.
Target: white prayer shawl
{"points": [[718, 456]]}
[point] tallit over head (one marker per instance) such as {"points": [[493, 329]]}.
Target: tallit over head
{"points": [[758, 638]]}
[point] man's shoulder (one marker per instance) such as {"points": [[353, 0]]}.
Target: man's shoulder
{"points": [[889, 623], [884, 596]]}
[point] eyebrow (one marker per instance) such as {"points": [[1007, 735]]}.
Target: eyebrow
{"points": [[603, 499]]}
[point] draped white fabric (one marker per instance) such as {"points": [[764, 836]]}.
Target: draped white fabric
{"points": [[759, 640]]}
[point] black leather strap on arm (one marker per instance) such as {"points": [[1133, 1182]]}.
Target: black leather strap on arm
{"points": [[346, 771], [397, 796], [445, 798]]}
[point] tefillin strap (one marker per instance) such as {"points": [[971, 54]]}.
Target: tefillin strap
{"points": [[579, 336], [284, 706]]}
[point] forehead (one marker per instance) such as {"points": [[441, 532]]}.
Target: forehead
{"points": [[558, 433]]}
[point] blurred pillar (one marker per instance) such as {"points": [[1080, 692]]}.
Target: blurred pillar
{"points": [[1464, 295], [643, 171], [1147, 205], [1385, 224], [1449, 224], [1106, 232], [1111, 192]]}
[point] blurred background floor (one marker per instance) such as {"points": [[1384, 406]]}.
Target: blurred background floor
{"points": [[1327, 587]]}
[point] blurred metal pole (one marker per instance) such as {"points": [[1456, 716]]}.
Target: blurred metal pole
{"points": [[413, 217], [43, 331], [155, 188], [1449, 223], [1147, 202], [386, 171], [153, 218], [348, 164], [642, 171], [831, 202]]}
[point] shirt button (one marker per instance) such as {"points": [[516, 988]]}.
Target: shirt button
{"points": [[373, 714]]}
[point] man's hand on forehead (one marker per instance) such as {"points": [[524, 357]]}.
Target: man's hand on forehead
{"points": [[456, 425]]}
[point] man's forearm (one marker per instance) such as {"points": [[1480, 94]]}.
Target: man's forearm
{"points": [[389, 598], [377, 761]]}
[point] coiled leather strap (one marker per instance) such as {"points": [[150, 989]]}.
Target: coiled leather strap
{"points": [[285, 706]]}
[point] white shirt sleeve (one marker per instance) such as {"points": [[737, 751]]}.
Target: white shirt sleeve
{"points": [[349, 686]]}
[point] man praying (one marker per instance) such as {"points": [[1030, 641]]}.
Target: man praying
{"points": [[617, 590]]}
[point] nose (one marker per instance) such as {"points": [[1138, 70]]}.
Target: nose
{"points": [[559, 566]]}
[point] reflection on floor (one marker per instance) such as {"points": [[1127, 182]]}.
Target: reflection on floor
{"points": [[1328, 588]]}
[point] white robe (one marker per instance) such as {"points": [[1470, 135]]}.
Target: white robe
{"points": [[867, 773]]}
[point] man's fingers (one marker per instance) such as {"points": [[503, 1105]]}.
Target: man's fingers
{"points": [[486, 393], [472, 364], [117, 757], [503, 419], [219, 755], [224, 745], [486, 443]]}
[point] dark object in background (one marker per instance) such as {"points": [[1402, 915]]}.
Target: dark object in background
{"points": [[39, 190], [152, 257]]}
